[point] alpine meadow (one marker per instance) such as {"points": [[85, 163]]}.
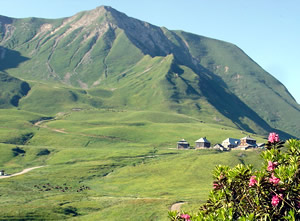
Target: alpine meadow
{"points": [[97, 103]]}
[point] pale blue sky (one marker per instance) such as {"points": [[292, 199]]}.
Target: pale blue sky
{"points": [[267, 30]]}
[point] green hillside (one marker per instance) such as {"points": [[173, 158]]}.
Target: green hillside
{"points": [[248, 81], [127, 159], [100, 100], [145, 67]]}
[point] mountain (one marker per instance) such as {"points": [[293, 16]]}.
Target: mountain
{"points": [[104, 59]]}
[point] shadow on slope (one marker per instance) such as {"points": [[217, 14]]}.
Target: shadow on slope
{"points": [[216, 92], [231, 106], [12, 90], [10, 58]]}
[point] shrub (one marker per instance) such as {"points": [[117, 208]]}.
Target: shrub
{"points": [[43, 152], [17, 151], [271, 193]]}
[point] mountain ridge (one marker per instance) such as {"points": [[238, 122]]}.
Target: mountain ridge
{"points": [[104, 48]]}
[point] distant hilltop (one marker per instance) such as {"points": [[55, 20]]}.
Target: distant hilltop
{"points": [[115, 61]]}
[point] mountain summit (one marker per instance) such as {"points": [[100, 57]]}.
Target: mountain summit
{"points": [[113, 60]]}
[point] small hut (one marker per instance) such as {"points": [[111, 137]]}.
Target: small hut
{"points": [[230, 143], [220, 147], [183, 144], [202, 143], [248, 142]]}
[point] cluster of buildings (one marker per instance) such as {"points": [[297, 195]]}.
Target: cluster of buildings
{"points": [[228, 144]]}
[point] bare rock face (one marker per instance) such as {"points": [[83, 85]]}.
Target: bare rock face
{"points": [[149, 38], [6, 28]]}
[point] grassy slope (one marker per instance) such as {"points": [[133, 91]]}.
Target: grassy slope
{"points": [[123, 156], [144, 86], [118, 140], [118, 58], [248, 81]]}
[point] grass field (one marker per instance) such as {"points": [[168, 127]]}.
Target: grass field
{"points": [[106, 164], [101, 101]]}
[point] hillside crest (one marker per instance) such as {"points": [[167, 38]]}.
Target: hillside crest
{"points": [[146, 67]]}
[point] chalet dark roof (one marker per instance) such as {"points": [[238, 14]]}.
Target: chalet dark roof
{"points": [[261, 144], [183, 141], [202, 140], [218, 146]]}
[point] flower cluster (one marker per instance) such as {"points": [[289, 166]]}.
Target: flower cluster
{"points": [[271, 193], [252, 181], [273, 137], [274, 179], [186, 217], [276, 199], [271, 165]]}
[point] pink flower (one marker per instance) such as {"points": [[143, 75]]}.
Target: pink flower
{"points": [[274, 179], [276, 199], [252, 181], [271, 165], [185, 217], [273, 137]]}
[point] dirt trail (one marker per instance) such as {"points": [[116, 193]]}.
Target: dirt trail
{"points": [[39, 124], [20, 173], [177, 206]]}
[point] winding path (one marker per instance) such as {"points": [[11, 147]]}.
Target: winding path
{"points": [[39, 124], [177, 206], [20, 173]]}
